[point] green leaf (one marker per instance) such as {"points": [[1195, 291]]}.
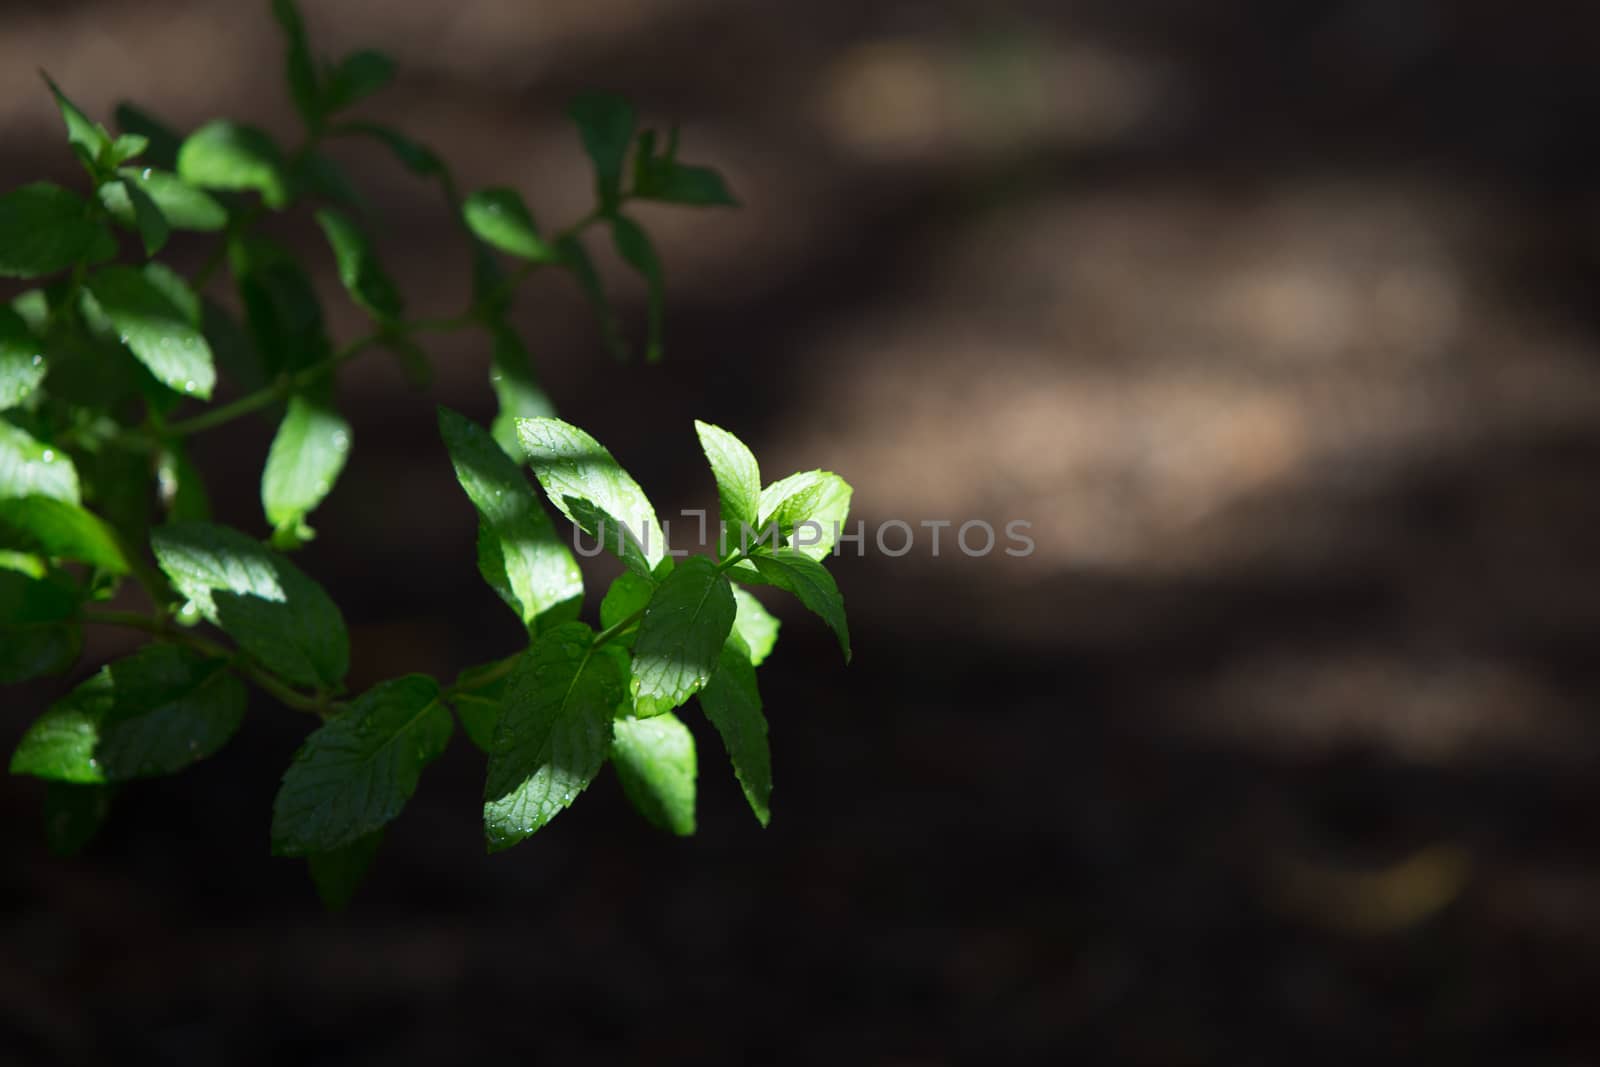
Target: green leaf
{"points": [[163, 141], [307, 454], [153, 713], [803, 576], [515, 387], [128, 146], [681, 636], [338, 874], [37, 633], [363, 276], [260, 599], [183, 492], [147, 217], [225, 155], [737, 473], [318, 174], [182, 205], [732, 701], [627, 596], [680, 183], [45, 229], [554, 732], [299, 68], [531, 562], [231, 346], [576, 259], [58, 529], [22, 362], [499, 217], [820, 498], [755, 626], [73, 814], [281, 306], [356, 772], [358, 75], [28, 468], [175, 289], [634, 246], [610, 533], [570, 463], [478, 703], [655, 760], [90, 137], [157, 331], [605, 123]]}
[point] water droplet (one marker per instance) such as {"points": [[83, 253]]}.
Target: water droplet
{"points": [[146, 174], [37, 359], [48, 456], [341, 440], [188, 387]]}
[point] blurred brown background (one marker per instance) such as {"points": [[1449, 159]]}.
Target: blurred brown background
{"points": [[1275, 319]]}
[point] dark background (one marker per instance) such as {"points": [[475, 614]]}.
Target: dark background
{"points": [[1275, 319]]}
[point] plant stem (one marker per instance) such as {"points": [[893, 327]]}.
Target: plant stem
{"points": [[616, 628]]}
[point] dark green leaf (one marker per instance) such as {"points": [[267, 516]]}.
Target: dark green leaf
{"points": [[147, 217], [681, 636], [299, 68], [515, 387], [44, 229], [158, 332], [260, 599], [37, 634], [224, 155], [183, 493], [605, 123], [732, 701], [175, 289], [627, 596], [231, 346], [570, 463], [554, 733], [22, 362], [322, 177], [164, 141], [737, 473], [478, 702], [680, 183], [153, 713], [182, 205], [307, 454], [73, 814], [655, 760], [281, 306], [576, 259], [633, 244], [58, 529], [358, 75], [499, 217], [338, 874], [28, 468], [363, 276], [356, 772], [415, 157], [531, 562], [806, 579]]}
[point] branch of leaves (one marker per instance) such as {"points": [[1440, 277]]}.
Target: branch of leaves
{"points": [[671, 629], [608, 127]]}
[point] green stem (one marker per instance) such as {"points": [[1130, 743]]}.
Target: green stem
{"points": [[616, 628]]}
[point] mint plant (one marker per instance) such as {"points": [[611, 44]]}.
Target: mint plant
{"points": [[107, 368]]}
